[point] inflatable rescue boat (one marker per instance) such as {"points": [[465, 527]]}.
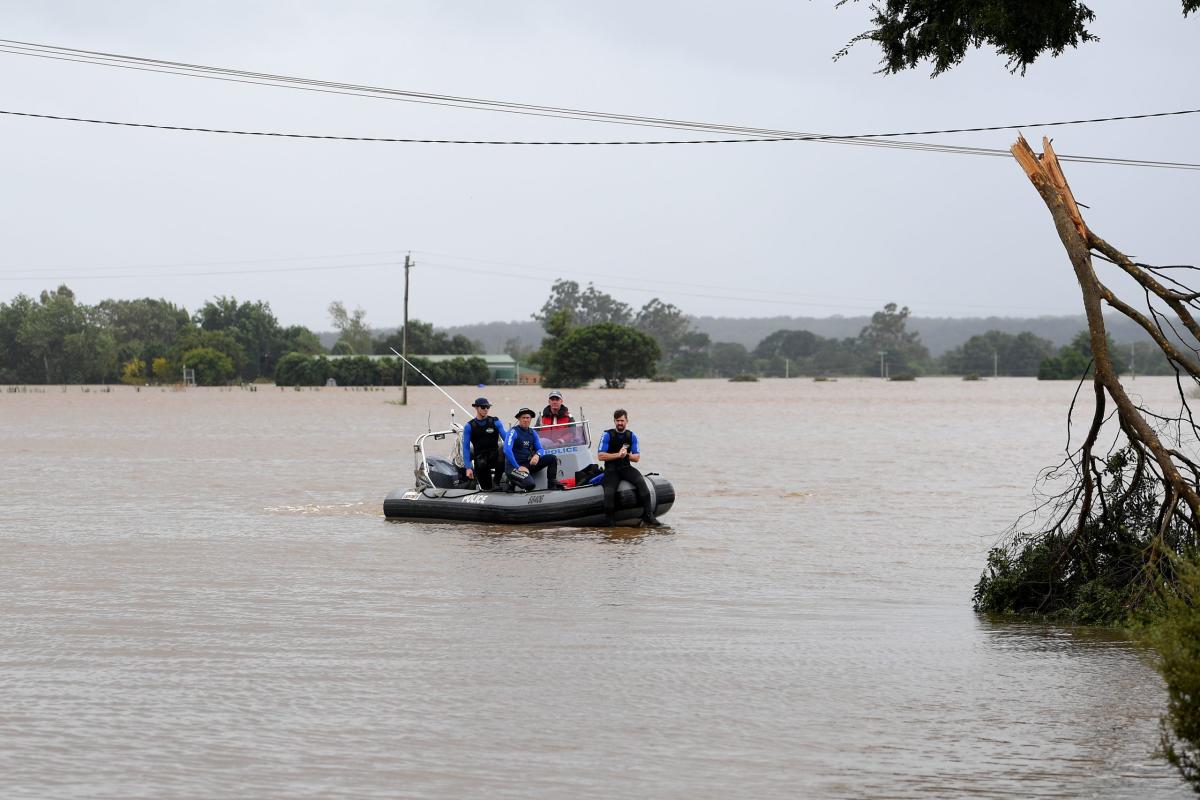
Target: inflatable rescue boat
{"points": [[443, 493]]}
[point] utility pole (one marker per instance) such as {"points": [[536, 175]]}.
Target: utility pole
{"points": [[882, 356], [995, 364], [404, 335], [1132, 353], [786, 367]]}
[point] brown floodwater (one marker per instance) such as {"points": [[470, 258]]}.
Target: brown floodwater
{"points": [[200, 598]]}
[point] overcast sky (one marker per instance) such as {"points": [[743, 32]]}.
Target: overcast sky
{"points": [[798, 228]]}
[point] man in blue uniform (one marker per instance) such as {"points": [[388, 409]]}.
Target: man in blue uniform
{"points": [[483, 434], [617, 449], [525, 456]]}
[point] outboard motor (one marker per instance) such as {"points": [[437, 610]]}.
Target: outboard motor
{"points": [[442, 474]]}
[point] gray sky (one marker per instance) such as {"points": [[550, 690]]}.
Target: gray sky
{"points": [[796, 228]]}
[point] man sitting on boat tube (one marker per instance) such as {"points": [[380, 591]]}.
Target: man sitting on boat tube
{"points": [[525, 456], [618, 447], [485, 433]]}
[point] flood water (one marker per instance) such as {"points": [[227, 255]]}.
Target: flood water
{"points": [[199, 597]]}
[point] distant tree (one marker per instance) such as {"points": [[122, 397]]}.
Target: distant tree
{"points": [[352, 326], [297, 369], [607, 350], [693, 358], [941, 31], [588, 307], [255, 329], [133, 372], [222, 341], [557, 326], [213, 368], [795, 345], [665, 324], [299, 339], [730, 359], [145, 328], [886, 333], [356, 371], [1072, 361], [1019, 355], [424, 340], [56, 340], [517, 349]]}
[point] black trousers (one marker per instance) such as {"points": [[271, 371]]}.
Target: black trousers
{"points": [[613, 475], [488, 469], [546, 462]]}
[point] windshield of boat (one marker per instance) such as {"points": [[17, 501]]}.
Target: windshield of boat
{"points": [[564, 434]]}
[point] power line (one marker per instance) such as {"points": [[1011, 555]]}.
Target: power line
{"points": [[749, 134], [977, 151], [91, 277], [275, 260]]}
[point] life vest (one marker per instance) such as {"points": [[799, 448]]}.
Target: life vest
{"points": [[485, 436], [615, 440], [549, 418]]}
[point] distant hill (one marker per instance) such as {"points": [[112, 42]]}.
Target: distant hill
{"points": [[938, 333]]}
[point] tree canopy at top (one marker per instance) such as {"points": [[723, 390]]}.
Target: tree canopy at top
{"points": [[940, 31]]}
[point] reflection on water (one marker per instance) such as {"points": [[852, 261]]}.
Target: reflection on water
{"points": [[201, 598]]}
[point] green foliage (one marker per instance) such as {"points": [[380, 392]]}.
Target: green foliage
{"points": [[1004, 353], [942, 31], [356, 371], [1074, 360], [607, 350], [424, 340], [453, 372], [222, 341], [297, 369], [213, 368], [1095, 575], [259, 339], [1176, 636], [887, 333], [588, 307], [792, 345], [133, 372], [145, 328], [356, 336], [56, 340], [666, 325], [730, 359], [692, 358]]}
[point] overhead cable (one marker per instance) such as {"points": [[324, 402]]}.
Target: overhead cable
{"points": [[748, 134], [974, 151]]}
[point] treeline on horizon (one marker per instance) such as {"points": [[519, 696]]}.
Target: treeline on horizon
{"points": [[54, 339]]}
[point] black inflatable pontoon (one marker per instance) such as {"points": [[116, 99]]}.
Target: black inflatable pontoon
{"points": [[441, 493]]}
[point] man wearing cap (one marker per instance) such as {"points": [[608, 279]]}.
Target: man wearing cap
{"points": [[484, 433], [525, 456], [556, 413], [617, 449]]}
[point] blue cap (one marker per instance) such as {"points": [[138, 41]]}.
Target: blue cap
{"points": [[481, 401]]}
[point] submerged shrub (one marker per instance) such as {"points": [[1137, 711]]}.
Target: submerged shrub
{"points": [[1176, 637], [1098, 573]]}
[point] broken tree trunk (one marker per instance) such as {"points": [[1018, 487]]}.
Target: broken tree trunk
{"points": [[1047, 177]]}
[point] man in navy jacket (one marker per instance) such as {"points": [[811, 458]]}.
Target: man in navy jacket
{"points": [[525, 456]]}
